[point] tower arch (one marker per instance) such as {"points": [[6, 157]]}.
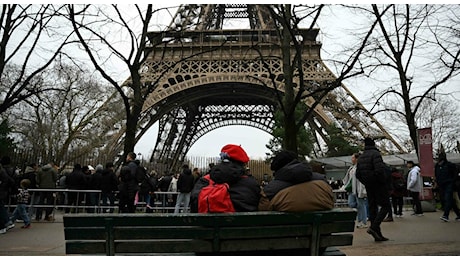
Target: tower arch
{"points": [[199, 77]]}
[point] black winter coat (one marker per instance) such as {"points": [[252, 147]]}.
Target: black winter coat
{"points": [[370, 169], [128, 186], [445, 173], [149, 184], [75, 180], [185, 182], [30, 174], [109, 181], [6, 184], [96, 180], [163, 183]]}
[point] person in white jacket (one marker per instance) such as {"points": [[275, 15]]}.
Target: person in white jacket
{"points": [[357, 195], [414, 186]]}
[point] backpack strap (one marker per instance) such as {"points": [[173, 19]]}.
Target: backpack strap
{"points": [[208, 178]]}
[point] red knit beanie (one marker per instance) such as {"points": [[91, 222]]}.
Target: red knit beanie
{"points": [[235, 152]]}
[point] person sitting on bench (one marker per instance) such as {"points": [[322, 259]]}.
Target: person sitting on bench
{"points": [[295, 187]]}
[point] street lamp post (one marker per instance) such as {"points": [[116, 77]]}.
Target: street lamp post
{"points": [[139, 155]]}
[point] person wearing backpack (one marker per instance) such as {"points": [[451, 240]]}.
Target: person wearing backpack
{"points": [[226, 188], [398, 192]]}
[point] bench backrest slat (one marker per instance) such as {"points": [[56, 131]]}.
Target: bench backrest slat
{"points": [[207, 233]]}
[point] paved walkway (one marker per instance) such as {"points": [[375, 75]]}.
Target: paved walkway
{"points": [[409, 236]]}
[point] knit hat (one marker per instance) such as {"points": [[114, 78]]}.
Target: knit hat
{"points": [[282, 158], [234, 152], [369, 141]]}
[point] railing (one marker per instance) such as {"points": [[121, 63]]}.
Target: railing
{"points": [[162, 201], [341, 200]]}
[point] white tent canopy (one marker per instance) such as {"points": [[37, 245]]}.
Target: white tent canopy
{"points": [[392, 160]]}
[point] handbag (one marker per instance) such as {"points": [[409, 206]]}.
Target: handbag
{"points": [[348, 187]]}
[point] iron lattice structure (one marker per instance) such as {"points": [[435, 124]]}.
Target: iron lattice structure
{"points": [[204, 77]]}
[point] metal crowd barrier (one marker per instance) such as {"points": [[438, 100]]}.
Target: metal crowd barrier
{"points": [[162, 202], [341, 200]]}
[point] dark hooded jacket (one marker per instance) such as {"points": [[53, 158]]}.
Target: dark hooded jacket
{"points": [[47, 177], [128, 183], [370, 169], [296, 188], [445, 172], [293, 173], [76, 179], [109, 182], [244, 190], [186, 181], [6, 184], [31, 174]]}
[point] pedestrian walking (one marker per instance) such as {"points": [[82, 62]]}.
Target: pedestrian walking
{"points": [[445, 173], [20, 212], [371, 172]]}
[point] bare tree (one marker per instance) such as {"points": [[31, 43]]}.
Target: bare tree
{"points": [[442, 116], [30, 42], [289, 19], [417, 49], [74, 120], [88, 22]]}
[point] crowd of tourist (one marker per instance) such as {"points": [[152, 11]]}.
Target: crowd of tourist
{"points": [[374, 189]]}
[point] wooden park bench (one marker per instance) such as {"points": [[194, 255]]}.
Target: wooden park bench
{"points": [[243, 233]]}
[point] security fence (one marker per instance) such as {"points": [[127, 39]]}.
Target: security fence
{"points": [[160, 201]]}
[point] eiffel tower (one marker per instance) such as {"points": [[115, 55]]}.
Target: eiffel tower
{"points": [[209, 77]]}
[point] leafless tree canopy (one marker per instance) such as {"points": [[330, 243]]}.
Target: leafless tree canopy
{"points": [[75, 118], [30, 42], [413, 54]]}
